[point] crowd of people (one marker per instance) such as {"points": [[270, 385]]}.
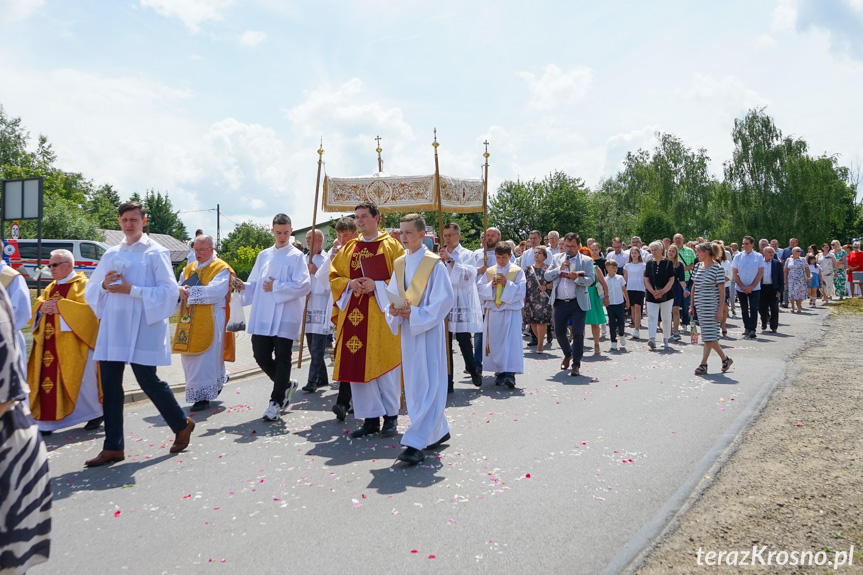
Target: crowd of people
{"points": [[392, 308]]}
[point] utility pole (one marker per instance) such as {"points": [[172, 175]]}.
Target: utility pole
{"points": [[218, 230]]}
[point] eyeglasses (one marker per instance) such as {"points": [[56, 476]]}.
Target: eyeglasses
{"points": [[202, 250], [52, 266]]}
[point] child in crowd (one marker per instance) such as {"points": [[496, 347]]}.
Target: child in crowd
{"points": [[815, 278], [618, 302]]}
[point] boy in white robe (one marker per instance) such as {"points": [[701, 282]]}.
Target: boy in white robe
{"points": [[318, 312], [502, 292], [423, 338]]}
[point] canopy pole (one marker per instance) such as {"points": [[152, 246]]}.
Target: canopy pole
{"points": [[440, 241], [311, 249], [485, 190]]}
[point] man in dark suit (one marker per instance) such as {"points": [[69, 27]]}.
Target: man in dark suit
{"points": [[772, 286]]}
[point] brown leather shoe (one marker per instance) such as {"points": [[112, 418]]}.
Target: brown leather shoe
{"points": [[564, 365], [106, 456], [575, 372], [181, 442]]}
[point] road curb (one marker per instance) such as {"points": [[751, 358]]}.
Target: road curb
{"points": [[668, 518]]}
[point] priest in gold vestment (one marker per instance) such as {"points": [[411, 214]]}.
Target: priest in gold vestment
{"points": [[368, 355], [63, 378]]}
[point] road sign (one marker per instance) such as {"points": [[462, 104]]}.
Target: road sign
{"points": [[15, 232]]}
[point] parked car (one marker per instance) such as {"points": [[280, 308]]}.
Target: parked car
{"points": [[22, 256]]}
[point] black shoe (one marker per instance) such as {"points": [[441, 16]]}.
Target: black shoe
{"points": [[412, 456], [46, 433], [94, 424], [371, 426], [310, 387], [341, 411], [752, 335], [321, 384], [476, 378], [440, 441], [390, 425], [197, 406], [532, 343], [509, 382]]}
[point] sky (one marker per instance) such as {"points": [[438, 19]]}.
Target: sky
{"points": [[226, 101]]}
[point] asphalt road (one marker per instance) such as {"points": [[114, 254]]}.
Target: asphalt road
{"points": [[556, 475]]}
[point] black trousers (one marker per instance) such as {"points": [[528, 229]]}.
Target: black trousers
{"points": [[616, 320], [768, 307], [749, 308], [466, 347], [273, 355], [344, 397], [564, 312]]}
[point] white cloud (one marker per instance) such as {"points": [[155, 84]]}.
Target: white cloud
{"points": [[765, 41], [17, 10], [727, 95], [252, 37], [557, 88], [617, 146], [784, 15], [192, 13]]}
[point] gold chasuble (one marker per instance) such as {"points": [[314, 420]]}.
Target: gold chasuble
{"points": [[365, 347], [58, 358], [196, 323]]}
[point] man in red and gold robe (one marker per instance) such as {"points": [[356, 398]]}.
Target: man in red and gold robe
{"points": [[368, 355], [63, 378]]}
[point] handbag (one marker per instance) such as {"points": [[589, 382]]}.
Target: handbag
{"points": [[237, 318]]}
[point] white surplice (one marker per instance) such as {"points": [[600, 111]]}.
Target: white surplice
{"points": [[87, 404], [19, 295], [501, 349], [320, 307], [466, 313], [205, 372], [133, 327], [279, 312], [424, 363]]}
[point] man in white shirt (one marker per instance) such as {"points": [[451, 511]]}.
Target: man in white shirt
{"points": [[133, 292], [527, 257], [276, 290], [465, 318], [619, 254], [748, 268], [553, 244], [317, 315], [420, 281]]}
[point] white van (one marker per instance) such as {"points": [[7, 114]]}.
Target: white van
{"points": [[22, 255]]}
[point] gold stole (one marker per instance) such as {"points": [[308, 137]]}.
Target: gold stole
{"points": [[511, 274], [419, 282], [7, 275], [196, 323]]}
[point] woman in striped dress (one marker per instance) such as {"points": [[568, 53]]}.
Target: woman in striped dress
{"points": [[25, 495], [708, 299]]}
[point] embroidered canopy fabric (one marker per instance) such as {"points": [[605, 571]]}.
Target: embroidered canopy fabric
{"points": [[402, 193]]}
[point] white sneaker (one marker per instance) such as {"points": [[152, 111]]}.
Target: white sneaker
{"points": [[622, 342], [272, 413], [651, 343], [614, 346], [292, 388], [664, 344], [635, 334]]}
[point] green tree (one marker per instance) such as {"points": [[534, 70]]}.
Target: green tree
{"points": [[557, 202], [102, 204], [245, 235], [63, 219], [655, 225], [469, 223], [161, 216]]}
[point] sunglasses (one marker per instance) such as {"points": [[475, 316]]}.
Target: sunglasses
{"points": [[52, 266]]}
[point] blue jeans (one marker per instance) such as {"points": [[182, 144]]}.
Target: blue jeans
{"points": [[317, 368], [477, 350], [684, 309], [113, 398]]}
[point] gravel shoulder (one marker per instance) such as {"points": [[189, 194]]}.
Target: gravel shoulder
{"points": [[795, 483]]}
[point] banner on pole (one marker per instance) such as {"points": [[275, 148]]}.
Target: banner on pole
{"points": [[403, 193]]}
